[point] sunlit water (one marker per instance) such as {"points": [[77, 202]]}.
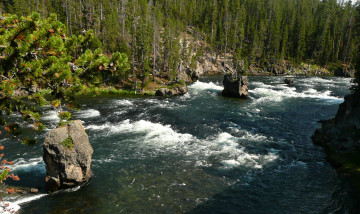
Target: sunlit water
{"points": [[199, 153]]}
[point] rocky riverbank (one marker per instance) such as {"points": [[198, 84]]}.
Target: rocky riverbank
{"points": [[340, 138]]}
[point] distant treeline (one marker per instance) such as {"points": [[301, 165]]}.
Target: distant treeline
{"points": [[149, 31]]}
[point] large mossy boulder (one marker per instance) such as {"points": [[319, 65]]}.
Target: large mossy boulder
{"points": [[235, 87], [67, 155]]}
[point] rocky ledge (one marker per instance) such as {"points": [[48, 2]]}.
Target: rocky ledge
{"points": [[340, 138], [67, 155], [341, 134]]}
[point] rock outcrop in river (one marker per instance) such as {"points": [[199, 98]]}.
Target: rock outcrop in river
{"points": [[235, 87], [67, 155], [342, 134], [341, 139], [289, 81]]}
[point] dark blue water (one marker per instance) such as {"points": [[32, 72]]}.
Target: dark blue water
{"points": [[200, 153]]}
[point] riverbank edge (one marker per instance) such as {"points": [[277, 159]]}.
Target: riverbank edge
{"points": [[98, 91], [340, 138], [347, 166]]}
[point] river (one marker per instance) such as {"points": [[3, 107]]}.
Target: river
{"points": [[199, 153]]}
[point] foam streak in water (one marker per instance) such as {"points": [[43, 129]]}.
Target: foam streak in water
{"points": [[89, 113], [202, 86], [279, 93]]}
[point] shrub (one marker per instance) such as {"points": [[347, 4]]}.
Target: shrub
{"points": [[68, 143]]}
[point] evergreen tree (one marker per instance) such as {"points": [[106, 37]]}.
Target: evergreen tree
{"points": [[35, 53]]}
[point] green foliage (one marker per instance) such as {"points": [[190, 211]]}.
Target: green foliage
{"points": [[65, 115], [37, 54], [68, 143], [4, 174], [182, 82], [152, 33], [13, 128], [28, 141]]}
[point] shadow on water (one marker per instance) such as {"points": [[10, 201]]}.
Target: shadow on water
{"points": [[230, 201], [263, 195]]}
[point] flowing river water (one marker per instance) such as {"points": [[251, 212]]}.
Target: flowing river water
{"points": [[199, 153]]}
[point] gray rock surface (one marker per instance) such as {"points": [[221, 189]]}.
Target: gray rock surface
{"points": [[235, 87], [67, 167]]}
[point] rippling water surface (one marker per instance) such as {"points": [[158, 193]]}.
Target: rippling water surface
{"points": [[200, 153]]}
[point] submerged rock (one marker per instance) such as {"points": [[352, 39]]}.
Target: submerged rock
{"points": [[235, 87], [34, 190], [289, 81], [67, 155]]}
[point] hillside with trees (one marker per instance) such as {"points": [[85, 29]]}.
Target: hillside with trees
{"points": [[258, 32], [37, 59], [53, 51]]}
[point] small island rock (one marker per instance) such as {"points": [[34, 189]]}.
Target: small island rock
{"points": [[235, 87], [67, 155], [33, 190], [289, 81]]}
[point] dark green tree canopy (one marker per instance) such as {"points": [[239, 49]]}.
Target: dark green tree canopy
{"points": [[37, 56]]}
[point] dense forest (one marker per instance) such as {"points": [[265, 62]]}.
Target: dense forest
{"points": [[52, 51], [151, 32]]}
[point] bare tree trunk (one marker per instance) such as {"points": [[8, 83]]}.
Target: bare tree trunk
{"points": [[154, 51], [80, 14], [123, 11], [67, 13]]}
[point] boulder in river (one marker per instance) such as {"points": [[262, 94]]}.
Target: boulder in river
{"points": [[193, 74], [289, 80], [67, 155], [235, 87]]}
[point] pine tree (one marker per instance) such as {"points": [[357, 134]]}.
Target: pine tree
{"points": [[36, 53]]}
